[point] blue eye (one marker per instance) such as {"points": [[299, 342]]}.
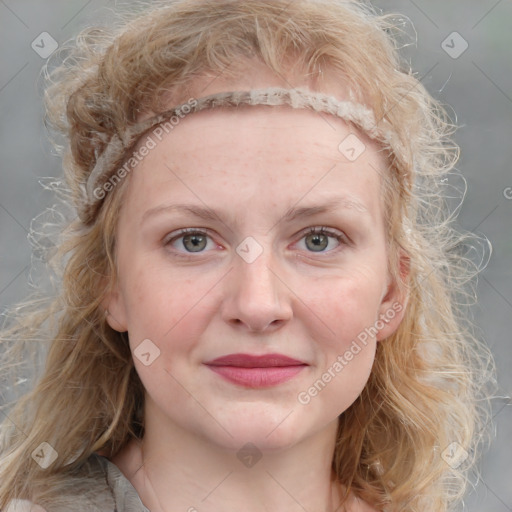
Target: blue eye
{"points": [[195, 240], [318, 239]]}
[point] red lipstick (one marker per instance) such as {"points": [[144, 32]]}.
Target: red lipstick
{"points": [[256, 371]]}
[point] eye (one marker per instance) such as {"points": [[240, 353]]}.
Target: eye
{"points": [[192, 240], [317, 239]]}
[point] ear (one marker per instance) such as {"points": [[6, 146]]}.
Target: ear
{"points": [[394, 302], [115, 309]]}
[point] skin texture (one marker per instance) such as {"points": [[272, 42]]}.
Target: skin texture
{"points": [[251, 166]]}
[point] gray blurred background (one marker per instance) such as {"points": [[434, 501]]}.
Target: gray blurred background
{"points": [[461, 50]]}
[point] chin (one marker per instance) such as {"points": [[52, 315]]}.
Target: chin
{"points": [[257, 439], [268, 428]]}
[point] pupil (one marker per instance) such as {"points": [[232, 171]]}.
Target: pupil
{"points": [[198, 242], [317, 242]]}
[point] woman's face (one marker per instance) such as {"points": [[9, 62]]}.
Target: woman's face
{"points": [[255, 275]]}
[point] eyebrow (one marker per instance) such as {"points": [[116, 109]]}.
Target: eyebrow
{"points": [[291, 214]]}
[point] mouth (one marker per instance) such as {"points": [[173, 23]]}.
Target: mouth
{"points": [[256, 371]]}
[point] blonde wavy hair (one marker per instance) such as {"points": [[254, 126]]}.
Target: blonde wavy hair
{"points": [[431, 380]]}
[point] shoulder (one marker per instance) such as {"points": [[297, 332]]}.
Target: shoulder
{"points": [[83, 488], [356, 504], [353, 502], [97, 485], [125, 495], [362, 506], [23, 506]]}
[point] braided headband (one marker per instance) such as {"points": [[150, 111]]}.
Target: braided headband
{"points": [[102, 179]]}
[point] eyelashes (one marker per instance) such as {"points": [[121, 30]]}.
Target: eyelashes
{"points": [[189, 241]]}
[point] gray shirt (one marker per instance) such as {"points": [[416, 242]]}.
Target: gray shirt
{"points": [[124, 495], [99, 486]]}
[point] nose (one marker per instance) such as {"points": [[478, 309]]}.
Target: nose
{"points": [[257, 298]]}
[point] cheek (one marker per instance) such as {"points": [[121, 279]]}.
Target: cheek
{"points": [[160, 304], [345, 303], [169, 311], [348, 309]]}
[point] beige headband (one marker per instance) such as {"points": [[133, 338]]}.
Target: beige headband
{"points": [[115, 152]]}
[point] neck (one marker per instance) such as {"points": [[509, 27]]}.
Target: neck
{"points": [[176, 469]]}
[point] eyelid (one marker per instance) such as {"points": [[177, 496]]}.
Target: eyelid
{"points": [[185, 231], [332, 232]]}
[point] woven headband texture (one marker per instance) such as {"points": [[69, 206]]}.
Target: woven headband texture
{"points": [[115, 151]]}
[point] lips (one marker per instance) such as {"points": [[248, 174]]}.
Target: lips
{"points": [[250, 361], [256, 371]]}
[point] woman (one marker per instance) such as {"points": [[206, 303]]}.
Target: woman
{"points": [[259, 298]]}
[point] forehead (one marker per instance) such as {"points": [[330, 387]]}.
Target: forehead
{"points": [[258, 153]]}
